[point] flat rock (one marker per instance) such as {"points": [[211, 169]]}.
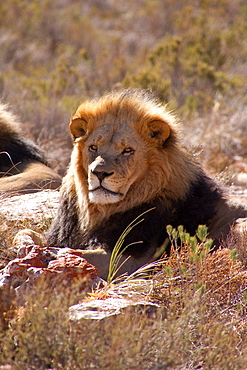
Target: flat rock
{"points": [[35, 206], [101, 308]]}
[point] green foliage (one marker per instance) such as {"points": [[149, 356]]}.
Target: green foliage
{"points": [[189, 67], [192, 265], [186, 57], [199, 243]]}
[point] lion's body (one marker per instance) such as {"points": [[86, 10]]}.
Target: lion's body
{"points": [[22, 164], [126, 160]]}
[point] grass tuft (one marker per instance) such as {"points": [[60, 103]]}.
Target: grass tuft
{"points": [[119, 250]]}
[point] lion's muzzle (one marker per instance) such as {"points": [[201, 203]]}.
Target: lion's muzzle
{"points": [[103, 187]]}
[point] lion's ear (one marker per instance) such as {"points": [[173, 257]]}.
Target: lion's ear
{"points": [[159, 130], [78, 127]]}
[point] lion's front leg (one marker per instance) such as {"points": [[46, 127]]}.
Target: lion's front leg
{"points": [[101, 259], [98, 258]]}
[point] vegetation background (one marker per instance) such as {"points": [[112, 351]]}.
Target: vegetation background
{"points": [[193, 54], [55, 53]]}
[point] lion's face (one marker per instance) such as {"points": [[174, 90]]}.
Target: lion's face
{"points": [[121, 153], [113, 159]]}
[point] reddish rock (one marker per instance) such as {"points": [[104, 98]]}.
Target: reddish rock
{"points": [[15, 267], [37, 257], [60, 266], [71, 268]]}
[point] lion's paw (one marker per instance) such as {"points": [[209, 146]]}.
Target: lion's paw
{"points": [[25, 239]]}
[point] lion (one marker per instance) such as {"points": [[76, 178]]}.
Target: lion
{"points": [[23, 167], [127, 159]]}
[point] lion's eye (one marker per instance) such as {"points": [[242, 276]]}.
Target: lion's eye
{"points": [[128, 151], [93, 148]]}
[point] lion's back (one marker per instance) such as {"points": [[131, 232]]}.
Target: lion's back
{"points": [[23, 166]]}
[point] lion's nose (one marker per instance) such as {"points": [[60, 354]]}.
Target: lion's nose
{"points": [[102, 174]]}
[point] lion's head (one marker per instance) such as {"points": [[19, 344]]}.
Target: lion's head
{"points": [[126, 151]]}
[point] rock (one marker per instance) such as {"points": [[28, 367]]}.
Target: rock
{"points": [[35, 206], [240, 179], [102, 308], [240, 226], [58, 268]]}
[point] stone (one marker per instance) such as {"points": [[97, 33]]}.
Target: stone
{"points": [[98, 309], [60, 267]]}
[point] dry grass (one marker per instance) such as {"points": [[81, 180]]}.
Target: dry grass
{"points": [[201, 322]]}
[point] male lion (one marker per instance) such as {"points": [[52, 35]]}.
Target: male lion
{"points": [[127, 159], [23, 167]]}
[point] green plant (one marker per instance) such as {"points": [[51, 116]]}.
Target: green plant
{"points": [[193, 266], [119, 250]]}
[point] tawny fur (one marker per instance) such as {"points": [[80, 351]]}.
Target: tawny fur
{"points": [[23, 167], [128, 144], [164, 180]]}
